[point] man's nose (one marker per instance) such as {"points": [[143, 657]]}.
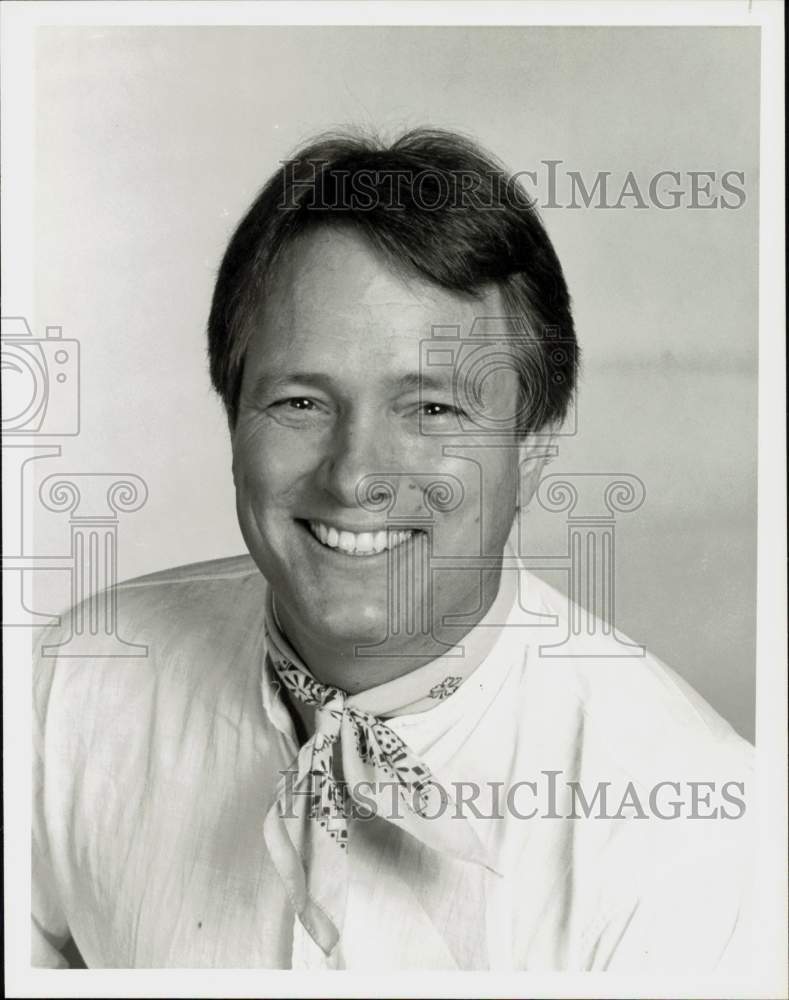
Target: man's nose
{"points": [[359, 448]]}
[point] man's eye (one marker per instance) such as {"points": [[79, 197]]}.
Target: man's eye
{"points": [[301, 404], [297, 411], [438, 409]]}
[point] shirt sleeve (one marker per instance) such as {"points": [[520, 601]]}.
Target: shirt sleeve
{"points": [[49, 928]]}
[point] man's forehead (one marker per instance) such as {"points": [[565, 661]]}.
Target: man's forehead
{"points": [[336, 305], [404, 350], [337, 272]]}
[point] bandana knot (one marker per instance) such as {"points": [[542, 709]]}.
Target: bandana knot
{"points": [[329, 715], [306, 829]]}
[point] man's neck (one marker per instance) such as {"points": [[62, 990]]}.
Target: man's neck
{"points": [[354, 668]]}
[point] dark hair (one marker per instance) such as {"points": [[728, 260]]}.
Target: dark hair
{"points": [[436, 205]]}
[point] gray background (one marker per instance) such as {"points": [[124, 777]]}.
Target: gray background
{"points": [[152, 141]]}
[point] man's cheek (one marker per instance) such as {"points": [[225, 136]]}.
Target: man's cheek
{"points": [[248, 494], [457, 533]]}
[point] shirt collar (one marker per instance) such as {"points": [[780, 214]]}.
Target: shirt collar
{"points": [[480, 647]]}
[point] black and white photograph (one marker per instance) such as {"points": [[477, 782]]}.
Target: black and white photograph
{"points": [[394, 547]]}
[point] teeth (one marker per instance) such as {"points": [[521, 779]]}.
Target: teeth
{"points": [[366, 543]]}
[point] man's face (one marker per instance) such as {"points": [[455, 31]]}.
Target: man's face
{"points": [[332, 395]]}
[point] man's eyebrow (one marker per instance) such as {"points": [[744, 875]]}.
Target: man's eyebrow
{"points": [[425, 380], [269, 382]]}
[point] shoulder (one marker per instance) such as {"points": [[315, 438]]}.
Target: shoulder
{"points": [[175, 601], [188, 590], [638, 715], [164, 634], [146, 699]]}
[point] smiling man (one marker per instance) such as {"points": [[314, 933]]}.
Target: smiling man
{"points": [[332, 393], [378, 743]]}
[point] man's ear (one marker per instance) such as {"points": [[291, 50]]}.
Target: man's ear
{"points": [[535, 451]]}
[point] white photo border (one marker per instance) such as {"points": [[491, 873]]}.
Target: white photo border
{"points": [[19, 22]]}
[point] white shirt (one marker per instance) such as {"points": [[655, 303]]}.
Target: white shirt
{"points": [[153, 777]]}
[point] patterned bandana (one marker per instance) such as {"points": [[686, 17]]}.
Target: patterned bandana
{"points": [[306, 829]]}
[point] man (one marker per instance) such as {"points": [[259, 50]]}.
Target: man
{"points": [[380, 743]]}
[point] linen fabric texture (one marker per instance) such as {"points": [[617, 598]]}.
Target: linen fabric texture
{"points": [[155, 777]]}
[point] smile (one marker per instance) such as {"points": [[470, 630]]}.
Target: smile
{"points": [[364, 543]]}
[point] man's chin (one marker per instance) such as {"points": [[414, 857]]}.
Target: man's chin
{"points": [[338, 624], [351, 626]]}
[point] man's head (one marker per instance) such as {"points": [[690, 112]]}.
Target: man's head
{"points": [[384, 337], [436, 207]]}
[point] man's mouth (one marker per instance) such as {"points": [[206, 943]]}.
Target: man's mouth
{"points": [[363, 543]]}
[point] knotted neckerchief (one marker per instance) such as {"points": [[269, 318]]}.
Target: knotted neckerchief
{"points": [[306, 829]]}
